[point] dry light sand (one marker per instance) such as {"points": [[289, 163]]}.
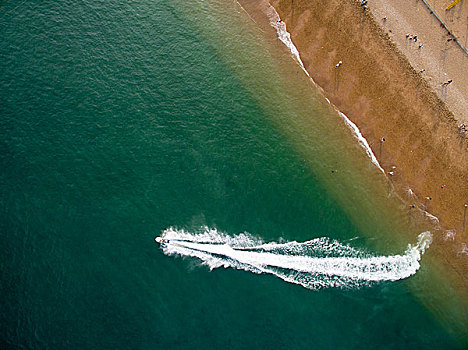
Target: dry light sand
{"points": [[381, 90], [379, 86], [441, 56]]}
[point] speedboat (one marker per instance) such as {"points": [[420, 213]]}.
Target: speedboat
{"points": [[161, 241]]}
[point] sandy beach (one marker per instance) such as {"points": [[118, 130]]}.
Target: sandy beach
{"points": [[394, 91], [436, 45], [172, 177]]}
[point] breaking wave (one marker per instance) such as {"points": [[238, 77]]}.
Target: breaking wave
{"points": [[318, 263]]}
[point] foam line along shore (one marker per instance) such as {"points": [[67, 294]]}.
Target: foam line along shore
{"points": [[412, 132], [285, 37]]}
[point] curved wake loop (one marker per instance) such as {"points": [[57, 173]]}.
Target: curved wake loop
{"points": [[314, 264]]}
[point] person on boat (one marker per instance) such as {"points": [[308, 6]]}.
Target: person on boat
{"points": [[161, 241]]}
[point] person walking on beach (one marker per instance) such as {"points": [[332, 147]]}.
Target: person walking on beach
{"points": [[447, 83]]}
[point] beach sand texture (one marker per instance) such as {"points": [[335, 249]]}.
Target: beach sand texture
{"points": [[442, 58], [456, 19], [400, 111]]}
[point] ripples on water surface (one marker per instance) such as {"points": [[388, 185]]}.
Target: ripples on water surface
{"points": [[119, 120]]}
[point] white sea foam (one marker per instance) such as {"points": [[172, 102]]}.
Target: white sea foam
{"points": [[463, 251], [434, 219], [314, 264], [450, 235], [285, 37], [362, 141]]}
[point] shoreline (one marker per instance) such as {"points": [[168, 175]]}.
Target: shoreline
{"points": [[409, 128], [447, 164], [285, 37]]}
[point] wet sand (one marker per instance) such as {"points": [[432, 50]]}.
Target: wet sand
{"points": [[410, 129], [407, 117]]}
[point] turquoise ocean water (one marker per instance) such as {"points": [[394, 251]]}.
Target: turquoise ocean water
{"points": [[120, 120]]}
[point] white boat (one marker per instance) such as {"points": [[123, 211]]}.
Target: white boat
{"points": [[161, 241]]}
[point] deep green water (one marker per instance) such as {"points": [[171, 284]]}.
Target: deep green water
{"points": [[121, 119]]}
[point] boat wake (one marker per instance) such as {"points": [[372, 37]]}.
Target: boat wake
{"points": [[314, 264]]}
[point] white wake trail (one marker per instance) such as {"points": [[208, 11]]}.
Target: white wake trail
{"points": [[314, 264]]}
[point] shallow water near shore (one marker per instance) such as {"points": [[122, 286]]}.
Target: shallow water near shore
{"points": [[119, 121]]}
